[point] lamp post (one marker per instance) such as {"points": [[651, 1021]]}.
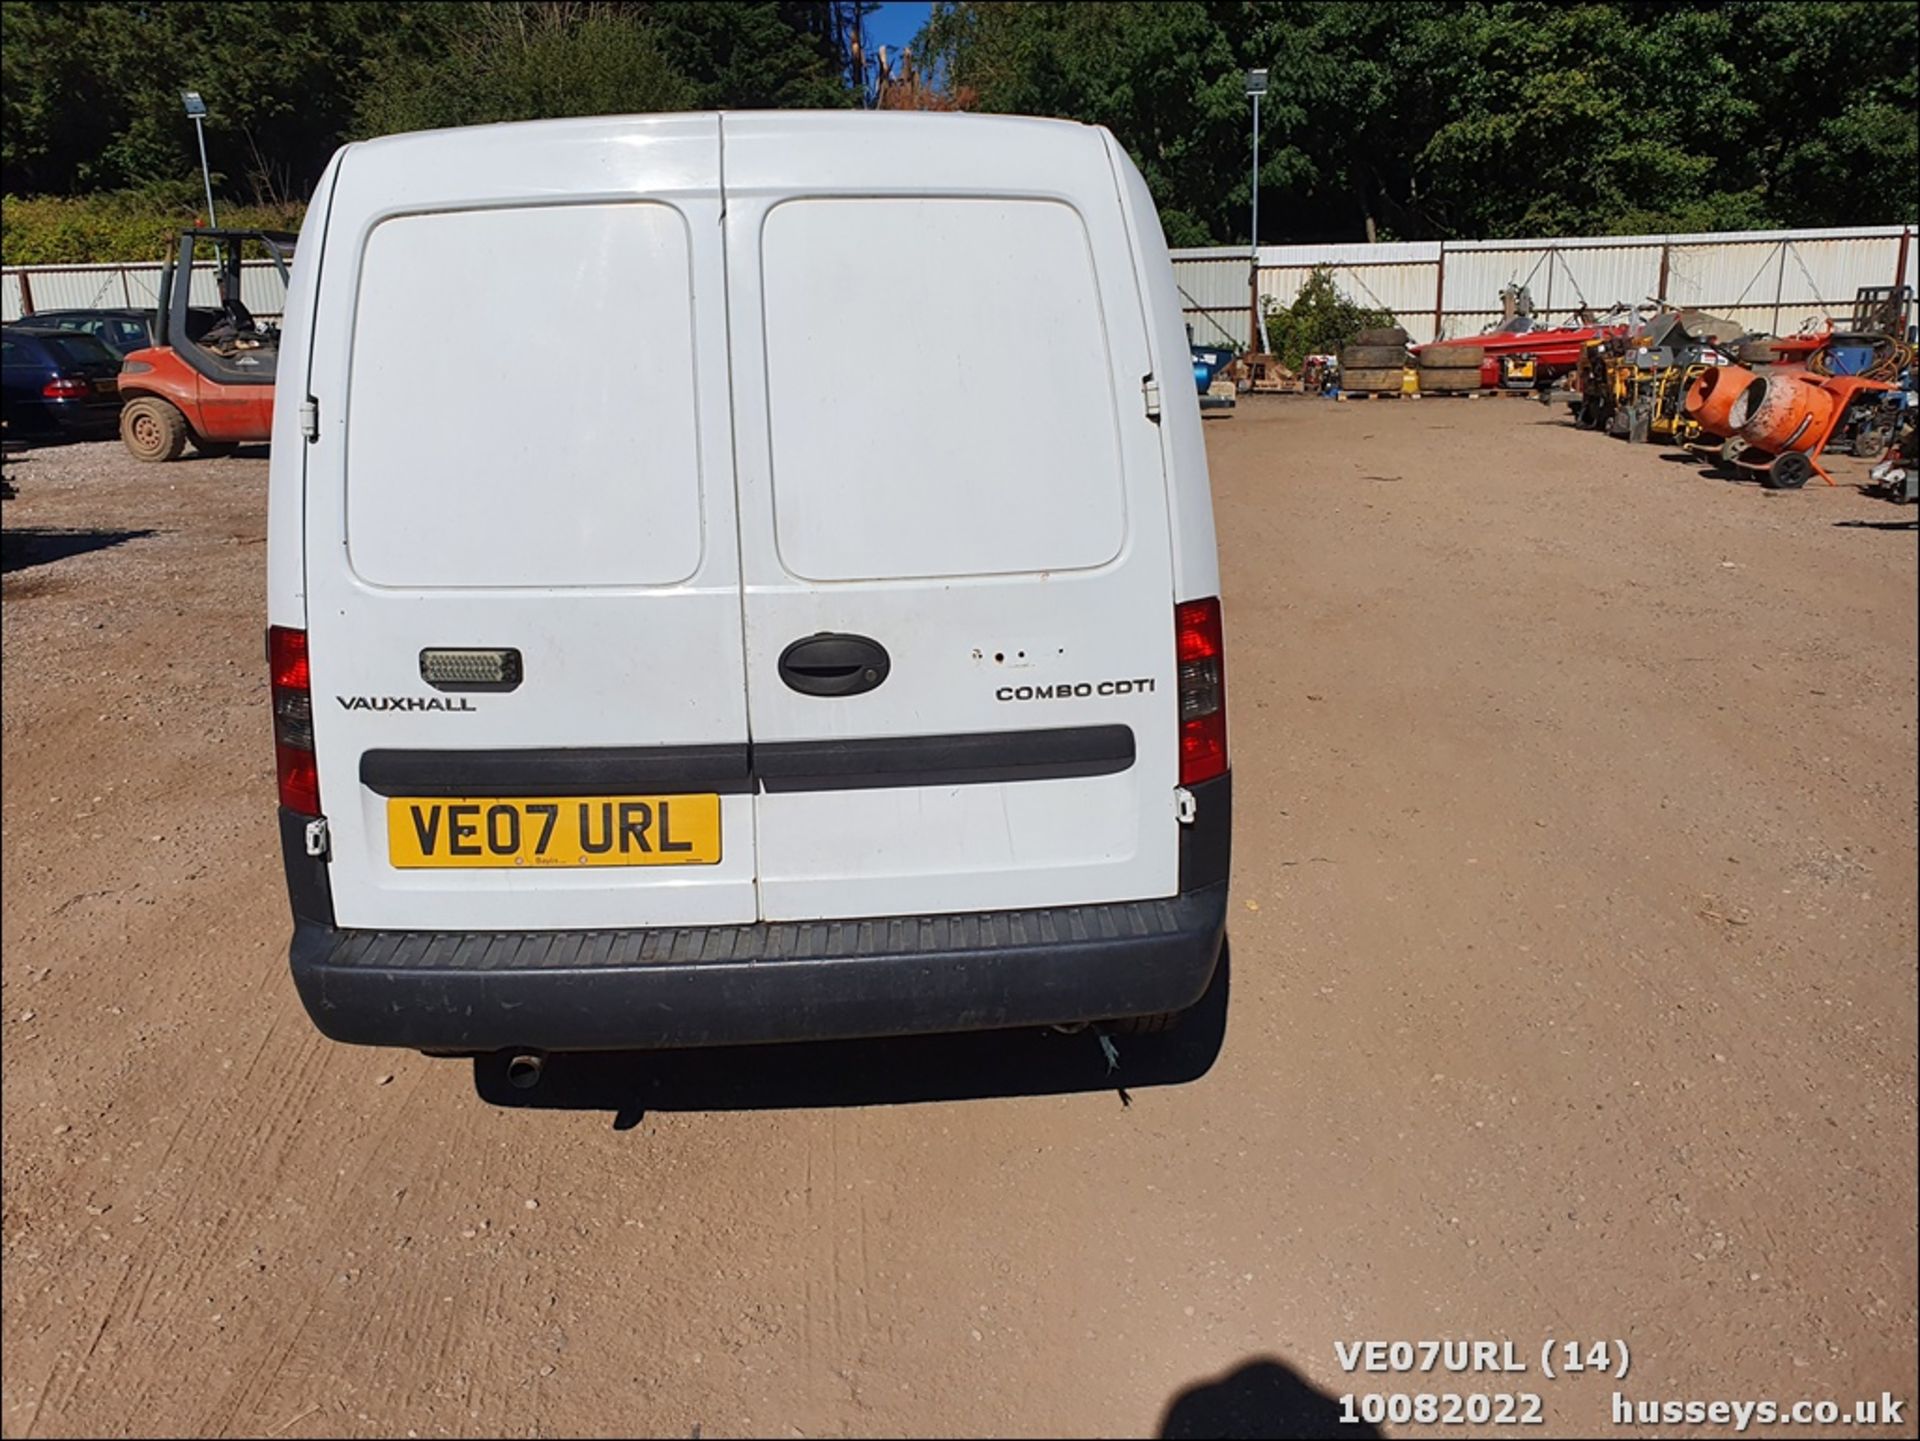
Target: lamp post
{"points": [[197, 112], [1256, 87]]}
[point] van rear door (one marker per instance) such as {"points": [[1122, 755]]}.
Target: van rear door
{"points": [[954, 535], [522, 580]]}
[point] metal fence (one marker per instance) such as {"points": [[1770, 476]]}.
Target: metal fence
{"points": [[28, 289], [1768, 280]]}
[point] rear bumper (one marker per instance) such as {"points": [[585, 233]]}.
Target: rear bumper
{"points": [[775, 981], [63, 419], [88, 421]]}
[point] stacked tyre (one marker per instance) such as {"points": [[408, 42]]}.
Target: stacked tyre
{"points": [[1373, 360], [1450, 369]]}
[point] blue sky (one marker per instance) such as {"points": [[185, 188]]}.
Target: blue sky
{"points": [[895, 25]]}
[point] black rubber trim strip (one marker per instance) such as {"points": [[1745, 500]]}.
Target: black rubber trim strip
{"points": [[560, 771], [834, 765], [944, 760], [1206, 846], [771, 981], [309, 889]]}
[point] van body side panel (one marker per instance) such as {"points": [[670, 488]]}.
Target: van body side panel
{"points": [[1196, 556], [981, 493], [287, 464], [548, 476]]}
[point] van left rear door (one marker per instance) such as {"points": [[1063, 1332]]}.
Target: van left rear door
{"points": [[523, 465]]}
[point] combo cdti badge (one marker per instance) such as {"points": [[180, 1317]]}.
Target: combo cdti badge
{"points": [[695, 661]]}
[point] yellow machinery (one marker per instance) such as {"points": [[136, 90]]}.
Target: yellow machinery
{"points": [[1634, 385], [1599, 385], [1663, 394], [1642, 388]]}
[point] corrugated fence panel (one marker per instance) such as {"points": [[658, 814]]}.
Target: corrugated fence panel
{"points": [[107, 287], [1469, 322], [1206, 284], [1807, 275], [1213, 291], [1728, 274], [1832, 270], [1733, 274], [1474, 277], [1405, 288], [75, 288], [1560, 278], [1387, 252]]}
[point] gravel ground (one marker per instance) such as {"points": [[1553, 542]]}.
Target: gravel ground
{"points": [[1573, 996]]}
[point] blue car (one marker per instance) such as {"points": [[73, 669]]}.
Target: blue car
{"points": [[58, 383]]}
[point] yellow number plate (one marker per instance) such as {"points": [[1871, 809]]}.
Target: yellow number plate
{"points": [[553, 831]]}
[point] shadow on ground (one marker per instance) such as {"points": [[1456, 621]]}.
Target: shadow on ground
{"points": [[1876, 525], [22, 549], [890, 1072], [1262, 1398]]}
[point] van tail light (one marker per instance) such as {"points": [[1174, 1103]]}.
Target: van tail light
{"points": [[65, 388], [1202, 658], [293, 721]]}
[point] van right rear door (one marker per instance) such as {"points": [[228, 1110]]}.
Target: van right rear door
{"points": [[953, 528]]}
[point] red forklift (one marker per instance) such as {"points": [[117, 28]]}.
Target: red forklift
{"points": [[208, 376]]}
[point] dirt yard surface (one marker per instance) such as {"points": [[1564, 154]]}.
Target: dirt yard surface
{"points": [[1573, 997]]}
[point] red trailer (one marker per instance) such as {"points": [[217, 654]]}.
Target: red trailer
{"points": [[1525, 359]]}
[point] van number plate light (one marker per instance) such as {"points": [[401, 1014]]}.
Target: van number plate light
{"points": [[469, 669]]}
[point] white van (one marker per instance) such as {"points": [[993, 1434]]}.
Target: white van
{"points": [[739, 578]]}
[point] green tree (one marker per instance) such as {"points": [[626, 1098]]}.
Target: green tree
{"points": [[1481, 118], [90, 92], [1384, 118], [475, 64], [464, 64], [760, 54], [1163, 75]]}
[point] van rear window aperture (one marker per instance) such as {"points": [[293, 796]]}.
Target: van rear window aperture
{"points": [[939, 388], [521, 407]]}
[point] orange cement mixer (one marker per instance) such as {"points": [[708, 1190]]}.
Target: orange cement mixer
{"points": [[1709, 400], [1786, 419], [1788, 410]]}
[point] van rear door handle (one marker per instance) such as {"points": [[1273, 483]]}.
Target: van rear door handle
{"points": [[828, 664]]}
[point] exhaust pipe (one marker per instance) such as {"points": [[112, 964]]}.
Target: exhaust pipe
{"points": [[524, 1071]]}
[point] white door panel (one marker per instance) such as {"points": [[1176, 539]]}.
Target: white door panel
{"points": [[545, 471], [1003, 485], [986, 502], [572, 453]]}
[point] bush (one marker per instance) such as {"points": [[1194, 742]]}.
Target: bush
{"points": [[120, 225], [1318, 322]]}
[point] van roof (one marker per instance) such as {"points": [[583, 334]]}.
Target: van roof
{"points": [[800, 124], [819, 151]]}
